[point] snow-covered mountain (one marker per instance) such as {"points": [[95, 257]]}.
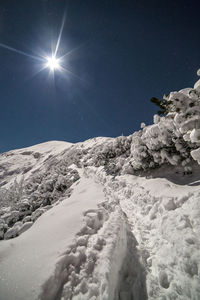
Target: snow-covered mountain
{"points": [[106, 219]]}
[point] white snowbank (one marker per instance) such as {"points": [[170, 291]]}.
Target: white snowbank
{"points": [[28, 260], [23, 162]]}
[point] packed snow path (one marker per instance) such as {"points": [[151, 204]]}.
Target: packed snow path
{"points": [[163, 215], [142, 242], [28, 260]]}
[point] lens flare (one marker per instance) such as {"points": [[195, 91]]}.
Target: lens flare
{"points": [[52, 63]]}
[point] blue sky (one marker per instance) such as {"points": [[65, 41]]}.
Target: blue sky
{"points": [[124, 53]]}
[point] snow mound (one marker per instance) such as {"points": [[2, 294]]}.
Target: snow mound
{"points": [[38, 249]]}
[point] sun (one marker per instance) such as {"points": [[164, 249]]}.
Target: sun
{"points": [[53, 63], [49, 61]]}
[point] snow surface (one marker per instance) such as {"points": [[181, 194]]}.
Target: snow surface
{"points": [[106, 219], [115, 238], [22, 162], [165, 220], [27, 261]]}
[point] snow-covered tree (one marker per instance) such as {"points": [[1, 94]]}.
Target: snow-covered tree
{"points": [[174, 138]]}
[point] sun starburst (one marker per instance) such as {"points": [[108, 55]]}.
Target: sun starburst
{"points": [[53, 63]]}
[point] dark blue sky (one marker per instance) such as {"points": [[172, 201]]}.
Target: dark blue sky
{"points": [[125, 53]]}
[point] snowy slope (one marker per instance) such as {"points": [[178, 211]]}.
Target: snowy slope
{"points": [[22, 162], [30, 259], [108, 218], [164, 218], [141, 242]]}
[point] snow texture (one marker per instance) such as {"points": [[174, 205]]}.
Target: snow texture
{"points": [[106, 219]]}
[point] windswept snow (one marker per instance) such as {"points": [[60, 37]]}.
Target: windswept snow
{"points": [[20, 163], [27, 261], [108, 218], [164, 218], [115, 238]]}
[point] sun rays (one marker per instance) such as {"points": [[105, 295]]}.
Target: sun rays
{"points": [[53, 63], [50, 61]]}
